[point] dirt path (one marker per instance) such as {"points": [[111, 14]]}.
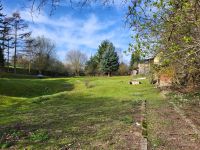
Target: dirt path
{"points": [[168, 129], [135, 137]]}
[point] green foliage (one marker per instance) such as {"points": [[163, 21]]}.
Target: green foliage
{"points": [[170, 28], [97, 64], [91, 67], [127, 120], [110, 60], [102, 49]]}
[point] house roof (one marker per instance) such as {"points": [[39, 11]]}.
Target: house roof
{"points": [[147, 60]]}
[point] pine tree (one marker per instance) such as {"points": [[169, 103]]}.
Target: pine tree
{"points": [[2, 60], [100, 53], [18, 25], [102, 49], [110, 60]]}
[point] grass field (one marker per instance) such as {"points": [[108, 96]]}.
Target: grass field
{"points": [[71, 113]]}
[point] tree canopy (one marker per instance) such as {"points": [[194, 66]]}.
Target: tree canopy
{"points": [[170, 28], [110, 60]]}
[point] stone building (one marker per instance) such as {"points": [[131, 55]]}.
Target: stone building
{"points": [[144, 66]]}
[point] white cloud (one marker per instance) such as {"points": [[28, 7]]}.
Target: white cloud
{"points": [[76, 33]]}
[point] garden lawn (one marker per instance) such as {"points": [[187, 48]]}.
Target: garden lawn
{"points": [[71, 113]]}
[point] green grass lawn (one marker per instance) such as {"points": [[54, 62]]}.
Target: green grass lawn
{"points": [[72, 113]]}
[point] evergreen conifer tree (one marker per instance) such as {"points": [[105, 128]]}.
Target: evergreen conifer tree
{"points": [[110, 60]]}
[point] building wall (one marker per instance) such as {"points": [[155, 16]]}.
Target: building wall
{"points": [[144, 68]]}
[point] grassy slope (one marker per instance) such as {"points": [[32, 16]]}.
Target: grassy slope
{"points": [[75, 113], [28, 88], [19, 76]]}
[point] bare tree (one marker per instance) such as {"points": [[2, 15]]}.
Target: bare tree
{"points": [[77, 60], [30, 45], [37, 5], [43, 50], [2, 37]]}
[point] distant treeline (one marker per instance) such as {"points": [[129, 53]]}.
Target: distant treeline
{"points": [[34, 72]]}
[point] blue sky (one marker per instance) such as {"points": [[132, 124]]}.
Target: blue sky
{"points": [[77, 28]]}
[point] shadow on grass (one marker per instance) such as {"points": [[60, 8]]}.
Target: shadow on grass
{"points": [[29, 88], [66, 121]]}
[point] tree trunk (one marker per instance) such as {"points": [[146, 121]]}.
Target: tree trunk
{"points": [[15, 54], [8, 55], [29, 67], [109, 74]]}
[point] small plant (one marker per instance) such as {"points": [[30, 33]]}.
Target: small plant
{"points": [[87, 84], [127, 120], [39, 136]]}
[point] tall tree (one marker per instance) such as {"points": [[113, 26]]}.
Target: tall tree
{"points": [[2, 44], [110, 60], [30, 45], [100, 53], [7, 38], [43, 50], [19, 34], [102, 49]]}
